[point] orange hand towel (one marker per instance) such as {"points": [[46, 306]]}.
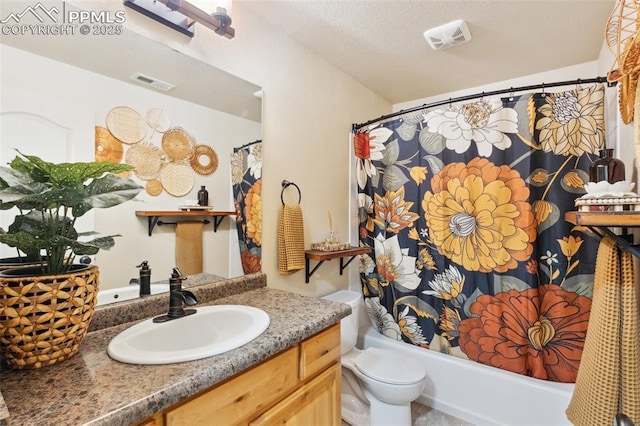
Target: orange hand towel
{"points": [[189, 247], [608, 379], [290, 239]]}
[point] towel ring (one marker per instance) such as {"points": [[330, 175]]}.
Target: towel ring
{"points": [[285, 184]]}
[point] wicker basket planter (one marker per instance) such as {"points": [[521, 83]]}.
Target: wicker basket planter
{"points": [[16, 262], [43, 319]]}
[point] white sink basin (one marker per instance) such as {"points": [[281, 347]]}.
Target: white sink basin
{"points": [[129, 292], [210, 331]]}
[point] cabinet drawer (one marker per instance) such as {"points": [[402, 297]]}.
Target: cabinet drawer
{"points": [[236, 400], [317, 352]]}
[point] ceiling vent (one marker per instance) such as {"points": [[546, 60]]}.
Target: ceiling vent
{"points": [[153, 82], [448, 35]]}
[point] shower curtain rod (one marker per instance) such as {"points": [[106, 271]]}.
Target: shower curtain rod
{"points": [[542, 86], [248, 144]]}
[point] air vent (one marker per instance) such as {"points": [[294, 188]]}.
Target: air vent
{"points": [[448, 35], [153, 82]]}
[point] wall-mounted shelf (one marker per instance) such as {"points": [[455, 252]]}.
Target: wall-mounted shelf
{"points": [[154, 216], [321, 256], [604, 220]]}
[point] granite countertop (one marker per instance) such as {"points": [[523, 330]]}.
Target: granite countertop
{"points": [[93, 389]]}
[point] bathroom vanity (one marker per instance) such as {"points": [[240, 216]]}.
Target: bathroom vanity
{"points": [[300, 385], [291, 371]]}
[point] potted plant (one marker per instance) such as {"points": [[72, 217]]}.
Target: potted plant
{"points": [[45, 309]]}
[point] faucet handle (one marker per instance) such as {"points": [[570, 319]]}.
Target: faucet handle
{"points": [[178, 275]]}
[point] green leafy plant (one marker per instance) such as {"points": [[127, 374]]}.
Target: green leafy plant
{"points": [[50, 198]]}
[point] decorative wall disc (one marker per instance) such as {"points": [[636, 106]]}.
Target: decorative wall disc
{"points": [[204, 160], [178, 144], [147, 160], [107, 147], [177, 179], [126, 124], [154, 187], [158, 120]]}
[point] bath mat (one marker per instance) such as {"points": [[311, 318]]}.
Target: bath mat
{"points": [[290, 239], [608, 380], [189, 247]]}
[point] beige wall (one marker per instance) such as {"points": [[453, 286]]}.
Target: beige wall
{"points": [[308, 108]]}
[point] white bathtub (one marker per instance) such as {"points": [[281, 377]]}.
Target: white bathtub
{"points": [[478, 393]]}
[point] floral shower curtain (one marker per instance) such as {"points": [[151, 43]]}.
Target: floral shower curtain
{"points": [[464, 207], [246, 178]]}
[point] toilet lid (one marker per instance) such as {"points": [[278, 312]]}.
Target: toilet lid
{"points": [[389, 367]]}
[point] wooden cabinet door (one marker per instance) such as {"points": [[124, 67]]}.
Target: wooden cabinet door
{"points": [[315, 403], [156, 420], [237, 400]]}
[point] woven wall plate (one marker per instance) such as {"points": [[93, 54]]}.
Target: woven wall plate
{"points": [[158, 120], [177, 179], [154, 187], [147, 160], [178, 144], [107, 147], [204, 160], [126, 124]]}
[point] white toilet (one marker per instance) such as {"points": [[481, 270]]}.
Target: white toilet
{"points": [[378, 385]]}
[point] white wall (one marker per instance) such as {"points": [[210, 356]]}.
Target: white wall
{"points": [[88, 98]]}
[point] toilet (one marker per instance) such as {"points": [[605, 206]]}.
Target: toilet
{"points": [[378, 385]]}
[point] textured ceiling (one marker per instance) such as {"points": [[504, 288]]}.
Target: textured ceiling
{"points": [[380, 43]]}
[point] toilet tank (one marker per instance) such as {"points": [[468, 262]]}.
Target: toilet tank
{"points": [[349, 324]]}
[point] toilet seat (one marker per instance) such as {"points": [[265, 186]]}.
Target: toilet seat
{"points": [[388, 367]]}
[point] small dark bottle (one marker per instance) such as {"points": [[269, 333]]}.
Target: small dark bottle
{"points": [[607, 168], [203, 196], [145, 278]]}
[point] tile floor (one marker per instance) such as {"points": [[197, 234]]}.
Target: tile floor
{"points": [[427, 416]]}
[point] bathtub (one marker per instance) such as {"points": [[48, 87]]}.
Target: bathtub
{"points": [[481, 394]]}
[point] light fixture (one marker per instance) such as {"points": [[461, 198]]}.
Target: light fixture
{"points": [[181, 15]]}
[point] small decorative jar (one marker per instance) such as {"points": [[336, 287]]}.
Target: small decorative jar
{"points": [[203, 196], [607, 168]]}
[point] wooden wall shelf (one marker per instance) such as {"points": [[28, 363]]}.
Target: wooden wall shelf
{"points": [[604, 220], [154, 216], [321, 256]]}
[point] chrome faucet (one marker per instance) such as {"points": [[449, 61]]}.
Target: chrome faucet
{"points": [[178, 298]]}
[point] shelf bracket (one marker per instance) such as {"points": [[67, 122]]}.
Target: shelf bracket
{"points": [[152, 222], [309, 273], [344, 264], [217, 220]]}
